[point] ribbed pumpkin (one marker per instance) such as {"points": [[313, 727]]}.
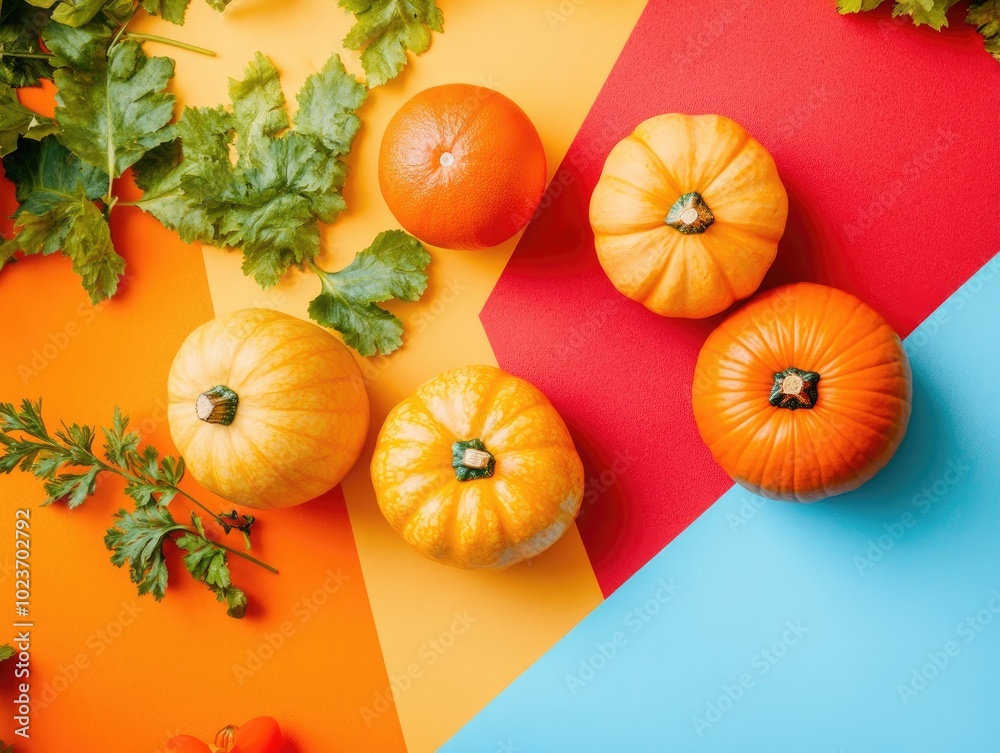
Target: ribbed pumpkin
{"points": [[477, 469], [802, 394], [687, 214], [268, 410]]}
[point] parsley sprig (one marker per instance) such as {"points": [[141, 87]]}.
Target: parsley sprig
{"points": [[66, 461], [385, 30], [983, 14], [240, 176]]}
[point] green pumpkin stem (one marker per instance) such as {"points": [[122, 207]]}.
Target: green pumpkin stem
{"points": [[794, 389], [690, 214], [471, 460], [217, 405]]}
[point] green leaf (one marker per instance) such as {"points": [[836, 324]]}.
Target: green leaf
{"points": [[120, 444], [208, 563], [74, 488], [931, 12], [327, 103], [5, 653], [46, 174], [392, 267], [77, 228], [137, 540], [57, 213], [283, 181], [171, 10], [854, 6], [115, 110], [386, 29], [17, 120], [74, 12], [20, 25], [985, 15]]}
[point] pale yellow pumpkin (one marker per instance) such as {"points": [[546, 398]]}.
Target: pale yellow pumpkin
{"points": [[687, 214], [477, 469], [267, 410]]}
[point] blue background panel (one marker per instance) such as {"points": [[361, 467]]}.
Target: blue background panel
{"points": [[868, 623]]}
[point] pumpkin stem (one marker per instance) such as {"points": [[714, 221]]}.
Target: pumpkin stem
{"points": [[690, 214], [217, 406], [471, 460], [226, 738], [794, 388]]}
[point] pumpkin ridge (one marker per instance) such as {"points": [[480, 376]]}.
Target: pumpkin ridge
{"points": [[855, 372], [765, 452], [659, 198], [763, 336], [832, 429], [287, 430], [705, 246], [842, 412], [237, 457], [825, 361], [839, 363], [437, 476], [674, 255], [890, 395], [261, 361], [750, 440], [487, 400], [669, 178], [277, 470], [827, 430], [814, 342], [254, 396], [510, 419], [654, 279], [745, 139], [320, 350]]}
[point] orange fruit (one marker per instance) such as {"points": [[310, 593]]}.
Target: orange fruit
{"points": [[462, 166]]}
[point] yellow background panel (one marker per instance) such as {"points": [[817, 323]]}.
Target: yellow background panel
{"points": [[451, 639]]}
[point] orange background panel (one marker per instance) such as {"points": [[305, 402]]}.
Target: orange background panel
{"points": [[458, 637], [145, 670]]}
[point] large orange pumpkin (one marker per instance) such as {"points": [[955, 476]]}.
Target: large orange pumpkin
{"points": [[461, 166], [268, 410], [802, 394], [687, 214], [476, 469]]}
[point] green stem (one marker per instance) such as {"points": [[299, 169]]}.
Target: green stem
{"points": [[238, 553], [172, 42], [31, 55]]}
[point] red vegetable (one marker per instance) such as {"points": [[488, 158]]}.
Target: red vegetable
{"points": [[259, 735]]}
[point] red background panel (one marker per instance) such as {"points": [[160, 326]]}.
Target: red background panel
{"points": [[887, 138]]}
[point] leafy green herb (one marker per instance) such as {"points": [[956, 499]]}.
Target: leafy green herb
{"points": [[983, 14], [283, 181], [5, 653], [391, 267], [174, 10], [66, 461], [56, 192], [114, 108], [386, 29], [241, 176], [22, 60], [17, 120]]}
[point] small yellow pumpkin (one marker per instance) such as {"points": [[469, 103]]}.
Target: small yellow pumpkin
{"points": [[267, 410], [477, 469], [687, 214]]}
